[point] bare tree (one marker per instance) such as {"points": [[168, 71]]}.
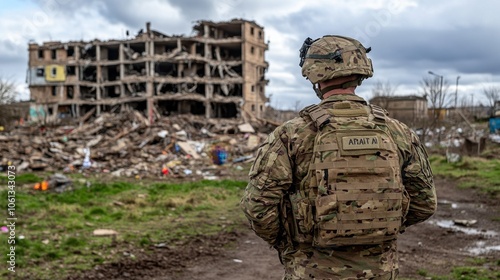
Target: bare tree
{"points": [[436, 92], [7, 91], [298, 106], [466, 104], [492, 94], [383, 90]]}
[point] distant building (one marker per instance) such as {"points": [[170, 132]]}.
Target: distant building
{"points": [[13, 114], [216, 73], [410, 109], [438, 113], [477, 113]]}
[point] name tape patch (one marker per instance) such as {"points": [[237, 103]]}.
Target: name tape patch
{"points": [[360, 142]]}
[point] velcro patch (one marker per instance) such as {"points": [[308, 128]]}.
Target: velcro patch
{"points": [[360, 142]]}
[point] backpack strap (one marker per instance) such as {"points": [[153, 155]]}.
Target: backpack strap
{"points": [[319, 115]]}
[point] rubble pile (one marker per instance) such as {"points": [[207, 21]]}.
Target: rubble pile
{"points": [[126, 144]]}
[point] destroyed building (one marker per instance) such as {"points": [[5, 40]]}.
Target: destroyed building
{"points": [[217, 73], [410, 109]]}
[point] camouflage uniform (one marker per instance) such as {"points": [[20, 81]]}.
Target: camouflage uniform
{"points": [[282, 165]]}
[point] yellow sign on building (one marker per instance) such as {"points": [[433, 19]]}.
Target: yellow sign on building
{"points": [[55, 73]]}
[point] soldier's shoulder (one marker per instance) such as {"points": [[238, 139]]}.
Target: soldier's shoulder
{"points": [[296, 128], [399, 130], [297, 121], [396, 123]]}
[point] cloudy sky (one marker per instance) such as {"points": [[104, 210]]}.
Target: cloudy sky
{"points": [[408, 37]]}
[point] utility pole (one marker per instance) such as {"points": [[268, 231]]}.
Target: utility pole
{"points": [[472, 103]]}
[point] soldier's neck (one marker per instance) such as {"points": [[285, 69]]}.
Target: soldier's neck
{"points": [[349, 90]]}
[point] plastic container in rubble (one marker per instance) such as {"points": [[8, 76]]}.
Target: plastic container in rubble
{"points": [[219, 155]]}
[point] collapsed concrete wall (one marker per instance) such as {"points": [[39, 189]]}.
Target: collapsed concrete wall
{"points": [[216, 73]]}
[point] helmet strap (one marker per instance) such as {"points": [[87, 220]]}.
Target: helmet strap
{"points": [[318, 91]]}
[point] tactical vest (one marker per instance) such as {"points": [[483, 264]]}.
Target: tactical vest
{"points": [[355, 192]]}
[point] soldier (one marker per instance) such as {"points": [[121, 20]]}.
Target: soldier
{"points": [[331, 190]]}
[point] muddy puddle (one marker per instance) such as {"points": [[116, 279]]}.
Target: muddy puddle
{"points": [[490, 239], [482, 247], [449, 224]]}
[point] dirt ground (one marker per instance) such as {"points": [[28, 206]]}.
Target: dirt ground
{"points": [[433, 246]]}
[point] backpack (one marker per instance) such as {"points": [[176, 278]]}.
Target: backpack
{"points": [[355, 193]]}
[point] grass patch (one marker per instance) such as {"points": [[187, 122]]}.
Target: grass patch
{"points": [[477, 269], [21, 178], [57, 228], [471, 172], [422, 272]]}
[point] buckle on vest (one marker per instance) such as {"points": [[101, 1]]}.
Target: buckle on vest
{"points": [[324, 123], [378, 113], [318, 115]]}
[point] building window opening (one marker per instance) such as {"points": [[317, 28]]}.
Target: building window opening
{"points": [[113, 54], [111, 73], [71, 51], [54, 91], [70, 92], [40, 72], [252, 50], [224, 110], [196, 108], [71, 70], [53, 72], [252, 30], [253, 88], [89, 73], [111, 91], [53, 54], [40, 54]]}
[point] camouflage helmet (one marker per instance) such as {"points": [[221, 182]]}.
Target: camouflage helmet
{"points": [[334, 56]]}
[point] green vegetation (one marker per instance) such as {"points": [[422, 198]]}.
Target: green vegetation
{"points": [[470, 172], [422, 272], [56, 230], [484, 175], [25, 178], [479, 269]]}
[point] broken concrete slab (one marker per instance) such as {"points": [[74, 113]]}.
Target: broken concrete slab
{"points": [[246, 128], [188, 149], [253, 141], [104, 232]]}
